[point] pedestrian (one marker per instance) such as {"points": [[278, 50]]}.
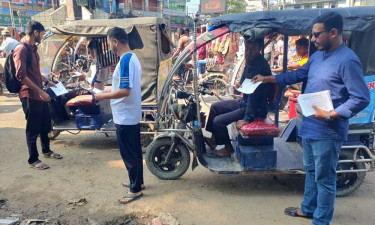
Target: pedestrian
{"points": [[33, 98], [126, 110], [336, 68], [8, 43], [22, 35]]}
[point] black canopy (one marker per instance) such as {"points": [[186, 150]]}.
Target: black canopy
{"points": [[295, 22]]}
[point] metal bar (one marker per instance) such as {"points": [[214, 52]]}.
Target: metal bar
{"points": [[358, 160], [364, 131], [177, 130], [352, 171]]}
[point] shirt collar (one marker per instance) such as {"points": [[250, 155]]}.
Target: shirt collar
{"points": [[33, 47], [326, 54]]}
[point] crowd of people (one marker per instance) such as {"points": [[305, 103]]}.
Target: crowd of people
{"points": [[334, 65]]}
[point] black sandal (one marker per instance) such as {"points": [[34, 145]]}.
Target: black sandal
{"points": [[208, 143], [292, 211]]}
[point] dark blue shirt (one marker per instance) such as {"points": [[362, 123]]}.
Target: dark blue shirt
{"points": [[341, 73]]}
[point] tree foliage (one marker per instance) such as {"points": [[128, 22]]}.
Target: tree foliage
{"points": [[236, 6]]}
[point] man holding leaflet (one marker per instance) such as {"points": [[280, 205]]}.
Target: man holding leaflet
{"points": [[336, 68], [243, 110]]}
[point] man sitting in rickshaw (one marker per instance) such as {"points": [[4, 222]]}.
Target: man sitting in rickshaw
{"points": [[244, 110]]}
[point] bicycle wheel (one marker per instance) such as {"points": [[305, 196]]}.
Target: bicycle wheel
{"points": [[220, 90]]}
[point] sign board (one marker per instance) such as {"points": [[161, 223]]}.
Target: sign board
{"points": [[5, 20], [62, 2], [213, 6]]}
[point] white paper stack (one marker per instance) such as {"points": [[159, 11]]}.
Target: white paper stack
{"points": [[321, 99]]}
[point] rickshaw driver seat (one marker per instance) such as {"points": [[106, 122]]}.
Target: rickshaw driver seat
{"points": [[81, 100], [263, 127]]}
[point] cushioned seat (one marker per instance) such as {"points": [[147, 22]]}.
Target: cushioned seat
{"points": [[81, 100], [260, 127]]}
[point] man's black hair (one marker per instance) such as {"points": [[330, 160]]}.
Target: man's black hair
{"points": [[118, 34], [180, 31], [32, 26], [23, 33], [93, 44], [330, 20], [186, 31], [258, 41], [303, 42]]}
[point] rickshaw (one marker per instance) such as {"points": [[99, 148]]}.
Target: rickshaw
{"points": [[64, 50], [180, 123]]}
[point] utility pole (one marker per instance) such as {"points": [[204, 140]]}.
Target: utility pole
{"points": [[110, 6], [11, 13], [284, 4], [19, 19]]}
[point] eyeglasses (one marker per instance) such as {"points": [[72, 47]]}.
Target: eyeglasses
{"points": [[317, 34]]}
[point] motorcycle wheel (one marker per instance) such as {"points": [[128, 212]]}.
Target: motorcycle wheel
{"points": [[347, 183], [177, 165]]}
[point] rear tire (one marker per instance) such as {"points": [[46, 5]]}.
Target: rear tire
{"points": [[177, 165], [347, 183]]}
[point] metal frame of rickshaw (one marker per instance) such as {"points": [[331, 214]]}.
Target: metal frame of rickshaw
{"points": [[361, 152], [148, 111]]}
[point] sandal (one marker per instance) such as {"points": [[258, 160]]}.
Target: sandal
{"points": [[52, 155], [39, 165], [292, 211], [132, 198], [127, 185]]}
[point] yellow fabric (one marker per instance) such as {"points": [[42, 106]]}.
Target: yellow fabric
{"points": [[303, 60]]}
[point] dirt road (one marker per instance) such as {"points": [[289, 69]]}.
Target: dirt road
{"points": [[92, 169]]}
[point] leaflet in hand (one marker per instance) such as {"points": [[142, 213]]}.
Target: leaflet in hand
{"points": [[96, 91], [321, 99], [248, 87], [59, 89]]}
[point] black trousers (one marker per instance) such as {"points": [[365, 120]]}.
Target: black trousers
{"points": [[221, 115], [38, 123], [129, 141]]}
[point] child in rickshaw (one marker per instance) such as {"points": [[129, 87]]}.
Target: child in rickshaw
{"points": [[242, 111]]}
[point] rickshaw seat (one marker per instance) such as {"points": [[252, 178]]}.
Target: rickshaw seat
{"points": [[260, 127], [81, 100]]}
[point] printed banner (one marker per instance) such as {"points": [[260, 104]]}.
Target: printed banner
{"points": [[366, 115]]}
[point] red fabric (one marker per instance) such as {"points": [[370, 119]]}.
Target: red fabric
{"points": [[260, 127], [80, 100]]}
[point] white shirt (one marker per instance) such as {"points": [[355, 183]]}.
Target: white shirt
{"points": [[8, 45], [127, 110]]}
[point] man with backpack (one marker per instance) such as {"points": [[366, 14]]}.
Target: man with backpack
{"points": [[33, 98]]}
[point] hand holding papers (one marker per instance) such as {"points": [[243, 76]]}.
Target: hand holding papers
{"points": [[59, 89], [248, 87], [96, 91], [321, 99]]}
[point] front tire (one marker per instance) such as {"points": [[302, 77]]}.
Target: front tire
{"points": [[176, 166], [347, 183]]}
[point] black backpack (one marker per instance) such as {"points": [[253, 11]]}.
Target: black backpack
{"points": [[13, 85]]}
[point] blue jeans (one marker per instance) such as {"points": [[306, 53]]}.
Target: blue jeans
{"points": [[320, 159]]}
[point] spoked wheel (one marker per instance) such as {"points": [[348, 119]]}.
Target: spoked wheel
{"points": [[177, 164], [347, 183], [220, 90]]}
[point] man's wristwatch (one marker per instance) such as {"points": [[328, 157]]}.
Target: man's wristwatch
{"points": [[328, 115]]}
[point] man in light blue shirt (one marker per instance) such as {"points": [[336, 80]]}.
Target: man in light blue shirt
{"points": [[126, 110], [336, 68]]}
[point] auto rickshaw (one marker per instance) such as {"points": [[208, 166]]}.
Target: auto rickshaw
{"points": [[180, 125], [63, 54]]}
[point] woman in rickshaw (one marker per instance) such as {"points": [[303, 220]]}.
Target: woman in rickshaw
{"points": [[242, 111]]}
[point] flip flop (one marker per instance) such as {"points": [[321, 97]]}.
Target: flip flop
{"points": [[52, 155], [292, 211], [39, 165], [133, 197], [127, 185]]}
